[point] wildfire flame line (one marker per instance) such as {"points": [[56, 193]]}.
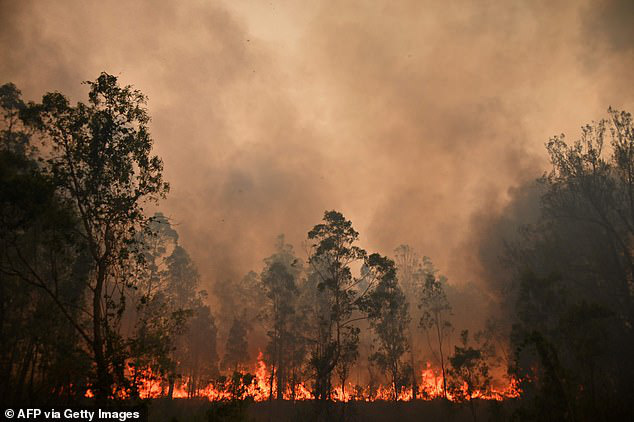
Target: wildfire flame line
{"points": [[429, 388]]}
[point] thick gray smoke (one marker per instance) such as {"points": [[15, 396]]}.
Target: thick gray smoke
{"points": [[415, 119]]}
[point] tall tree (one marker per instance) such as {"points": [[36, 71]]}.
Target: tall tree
{"points": [[167, 300], [196, 350], [279, 280], [333, 251], [388, 314], [236, 355], [41, 269], [410, 277], [435, 310], [102, 164], [574, 268]]}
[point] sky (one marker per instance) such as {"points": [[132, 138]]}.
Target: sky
{"points": [[419, 120]]}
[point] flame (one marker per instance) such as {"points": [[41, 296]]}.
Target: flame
{"points": [[262, 388]]}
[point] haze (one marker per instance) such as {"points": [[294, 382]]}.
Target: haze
{"points": [[417, 120]]}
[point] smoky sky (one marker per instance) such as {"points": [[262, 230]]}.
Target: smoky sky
{"points": [[418, 120]]}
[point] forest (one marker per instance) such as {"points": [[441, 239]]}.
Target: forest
{"points": [[100, 303]]}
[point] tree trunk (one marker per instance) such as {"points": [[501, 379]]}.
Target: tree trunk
{"points": [[412, 363], [442, 358], [271, 382], [102, 390], [170, 391], [26, 362]]}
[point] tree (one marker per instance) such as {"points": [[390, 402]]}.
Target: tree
{"points": [[243, 299], [410, 277], [469, 373], [175, 331], [157, 319], [388, 314], [332, 253], [573, 279], [196, 350], [348, 356], [435, 309], [592, 185], [237, 347], [101, 164], [41, 269], [279, 281]]}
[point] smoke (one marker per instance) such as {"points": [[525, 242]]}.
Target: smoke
{"points": [[417, 120]]}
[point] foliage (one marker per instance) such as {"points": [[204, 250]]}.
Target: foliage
{"points": [[75, 244], [332, 253], [234, 408], [575, 310], [435, 309], [41, 270], [286, 347], [469, 370], [388, 314], [237, 347], [469, 373]]}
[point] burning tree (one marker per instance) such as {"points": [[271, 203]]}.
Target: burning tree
{"points": [[286, 342], [410, 277], [435, 309], [387, 311], [159, 315], [469, 373], [332, 253], [237, 347]]}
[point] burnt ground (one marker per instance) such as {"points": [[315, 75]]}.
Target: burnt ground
{"points": [[181, 410]]}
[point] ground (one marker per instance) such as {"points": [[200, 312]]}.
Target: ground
{"points": [[437, 410]]}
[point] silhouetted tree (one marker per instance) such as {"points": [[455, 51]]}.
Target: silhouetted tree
{"points": [[332, 253], [279, 280], [435, 310], [469, 373], [410, 276], [196, 350], [42, 268], [98, 157], [237, 347], [574, 302], [388, 314]]}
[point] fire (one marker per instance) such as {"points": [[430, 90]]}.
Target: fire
{"points": [[260, 388]]}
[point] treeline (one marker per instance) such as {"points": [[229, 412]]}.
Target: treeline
{"points": [[98, 295], [95, 295], [346, 324], [571, 280]]}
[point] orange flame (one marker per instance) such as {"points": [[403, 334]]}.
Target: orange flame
{"points": [[262, 388]]}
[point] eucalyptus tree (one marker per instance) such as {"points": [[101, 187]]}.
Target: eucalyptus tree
{"points": [[410, 275], [332, 252], [236, 355], [574, 297], [387, 310], [100, 161], [280, 283], [168, 306], [41, 269], [435, 309]]}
